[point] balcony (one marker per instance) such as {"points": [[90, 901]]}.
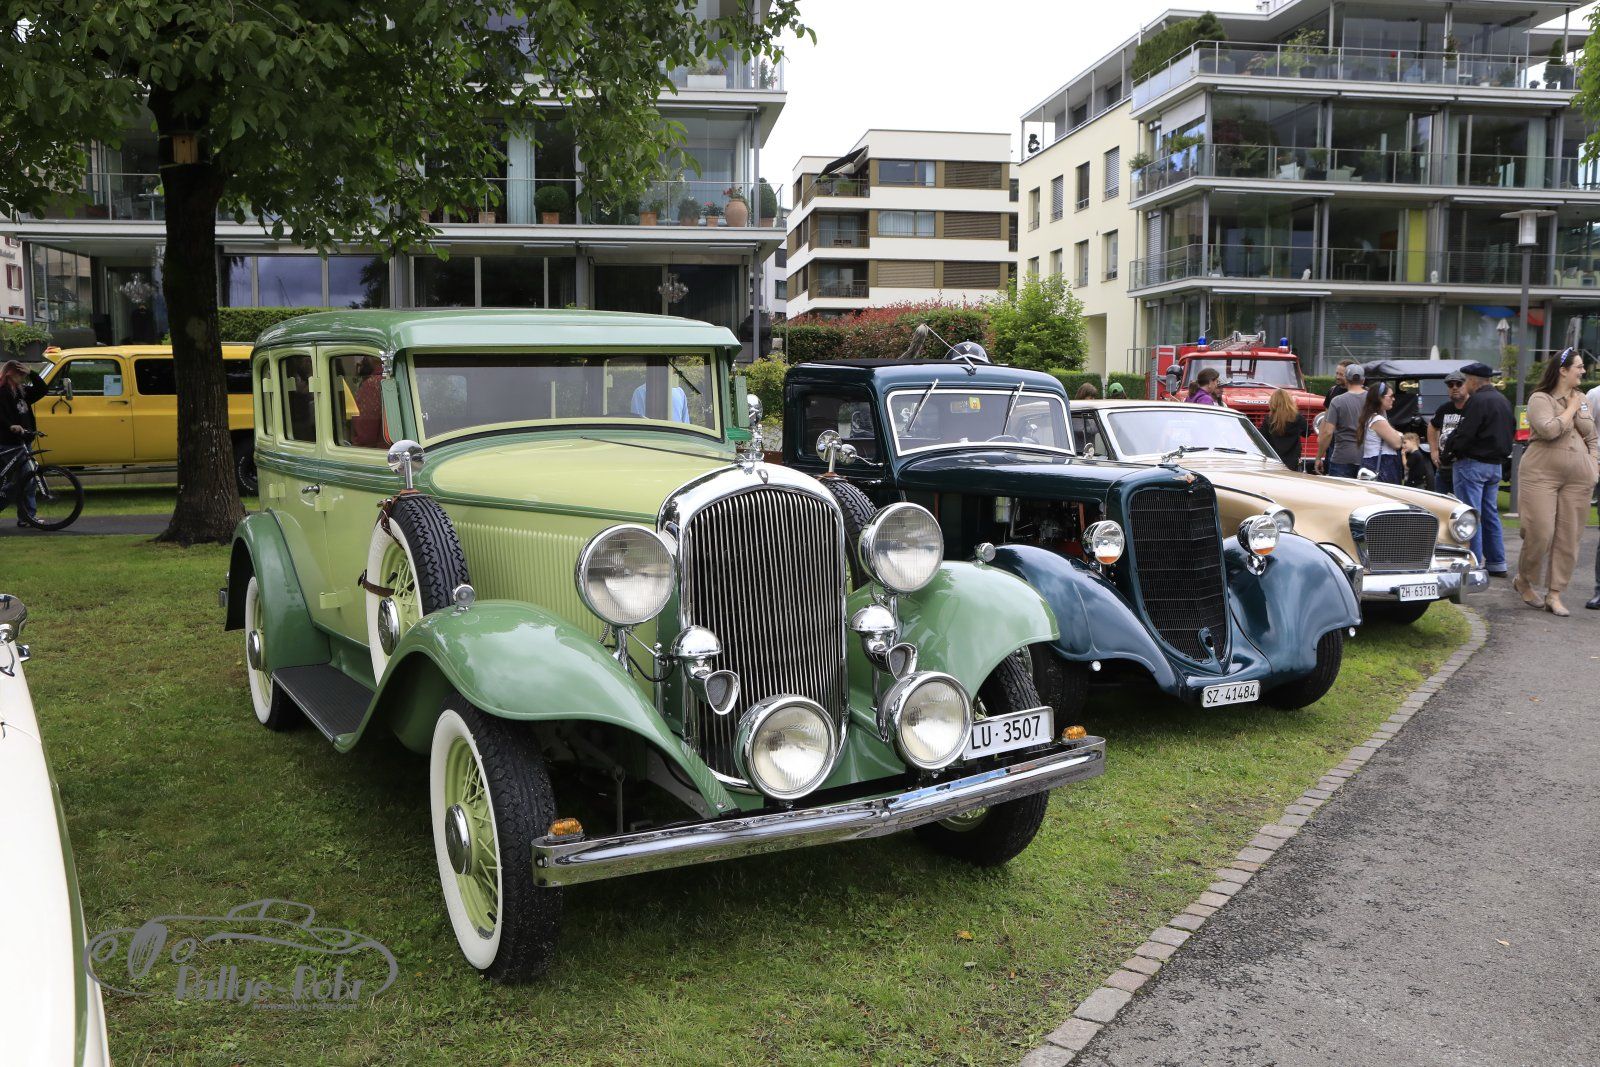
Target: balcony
{"points": [[1365, 65], [833, 185], [729, 73], [1501, 268], [852, 290], [514, 201], [1370, 166]]}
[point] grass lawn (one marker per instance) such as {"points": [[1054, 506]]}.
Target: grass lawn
{"points": [[1510, 522], [138, 499], [178, 800]]}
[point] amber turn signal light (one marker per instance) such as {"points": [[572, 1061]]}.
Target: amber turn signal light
{"points": [[566, 828], [1074, 733]]}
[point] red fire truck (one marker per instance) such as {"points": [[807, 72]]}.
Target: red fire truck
{"points": [[1250, 371]]}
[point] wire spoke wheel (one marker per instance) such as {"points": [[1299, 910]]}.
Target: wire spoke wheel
{"points": [[480, 884], [58, 498], [397, 575]]}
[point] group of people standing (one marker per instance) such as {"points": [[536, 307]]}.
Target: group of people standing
{"points": [[1470, 437]]}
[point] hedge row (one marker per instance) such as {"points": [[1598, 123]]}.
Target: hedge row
{"points": [[880, 333], [244, 325], [1135, 386]]}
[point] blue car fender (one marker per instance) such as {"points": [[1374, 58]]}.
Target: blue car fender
{"points": [[1300, 595]]}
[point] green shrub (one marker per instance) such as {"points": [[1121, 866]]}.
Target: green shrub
{"points": [[808, 342], [1039, 325], [764, 379], [244, 325], [1320, 383], [553, 199], [1134, 384], [15, 337], [1158, 49]]}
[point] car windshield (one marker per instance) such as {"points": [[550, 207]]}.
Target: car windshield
{"points": [[1241, 370], [457, 393], [945, 415], [1150, 432]]}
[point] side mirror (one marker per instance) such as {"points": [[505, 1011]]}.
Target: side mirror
{"points": [[1174, 378], [406, 457], [832, 447], [64, 387]]}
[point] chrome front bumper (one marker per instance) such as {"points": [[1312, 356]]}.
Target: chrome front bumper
{"points": [[561, 862], [1455, 576]]}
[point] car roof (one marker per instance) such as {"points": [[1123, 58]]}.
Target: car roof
{"points": [[462, 328], [230, 350], [1413, 368], [1154, 405], [891, 373]]}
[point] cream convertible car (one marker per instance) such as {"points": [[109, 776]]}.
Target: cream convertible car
{"points": [[1410, 545]]}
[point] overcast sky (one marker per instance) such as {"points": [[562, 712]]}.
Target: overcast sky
{"points": [[939, 65]]}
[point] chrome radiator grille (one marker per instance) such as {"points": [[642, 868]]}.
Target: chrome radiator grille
{"points": [[1400, 541], [764, 570], [1178, 557]]}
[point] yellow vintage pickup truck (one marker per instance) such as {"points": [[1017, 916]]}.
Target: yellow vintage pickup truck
{"points": [[116, 408]]}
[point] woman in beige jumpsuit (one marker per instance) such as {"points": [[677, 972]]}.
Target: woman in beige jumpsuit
{"points": [[1554, 482]]}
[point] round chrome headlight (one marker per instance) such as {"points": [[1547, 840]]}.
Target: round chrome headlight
{"points": [[929, 718], [625, 574], [902, 548], [1105, 542], [1282, 518], [1259, 535], [786, 746], [1464, 524]]}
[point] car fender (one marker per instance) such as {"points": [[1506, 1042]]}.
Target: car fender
{"points": [[1096, 622], [517, 661], [259, 549], [1300, 595]]}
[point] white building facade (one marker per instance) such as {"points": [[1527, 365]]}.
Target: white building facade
{"points": [[907, 216], [1336, 173]]}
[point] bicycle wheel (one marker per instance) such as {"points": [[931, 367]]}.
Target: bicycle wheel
{"points": [[58, 498]]}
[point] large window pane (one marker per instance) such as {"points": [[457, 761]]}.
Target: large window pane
{"points": [[513, 281], [236, 291], [358, 282], [289, 281], [628, 288], [713, 294], [445, 283]]}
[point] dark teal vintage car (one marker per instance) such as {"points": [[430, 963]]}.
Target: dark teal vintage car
{"points": [[1131, 558]]}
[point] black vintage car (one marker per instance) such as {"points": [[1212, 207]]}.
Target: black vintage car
{"points": [[1131, 558]]}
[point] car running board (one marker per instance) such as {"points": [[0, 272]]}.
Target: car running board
{"points": [[335, 703]]}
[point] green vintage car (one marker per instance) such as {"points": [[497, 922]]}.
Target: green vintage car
{"points": [[622, 643]]}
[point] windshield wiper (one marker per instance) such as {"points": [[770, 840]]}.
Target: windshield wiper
{"points": [[1011, 405], [932, 388], [684, 378]]}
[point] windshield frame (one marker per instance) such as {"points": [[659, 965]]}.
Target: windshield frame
{"points": [[470, 355], [1198, 363], [1108, 418], [956, 388]]}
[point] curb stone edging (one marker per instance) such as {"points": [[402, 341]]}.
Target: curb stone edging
{"points": [[1101, 1006]]}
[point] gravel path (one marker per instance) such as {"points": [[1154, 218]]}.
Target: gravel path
{"points": [[1443, 908]]}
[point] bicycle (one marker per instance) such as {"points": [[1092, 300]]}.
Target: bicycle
{"points": [[58, 495]]}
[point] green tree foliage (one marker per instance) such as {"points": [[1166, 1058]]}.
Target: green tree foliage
{"points": [[1039, 325], [764, 378], [1157, 50], [307, 113], [882, 332]]}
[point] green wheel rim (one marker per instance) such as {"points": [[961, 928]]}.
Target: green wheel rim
{"points": [[260, 681], [397, 575], [480, 886]]}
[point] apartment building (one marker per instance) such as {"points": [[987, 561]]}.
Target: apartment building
{"points": [[904, 216], [13, 291], [1338, 174], [692, 246]]}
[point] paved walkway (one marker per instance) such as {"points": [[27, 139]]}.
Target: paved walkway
{"points": [[148, 525], [1443, 908]]}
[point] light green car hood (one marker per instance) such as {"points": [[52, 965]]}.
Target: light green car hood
{"points": [[584, 475]]}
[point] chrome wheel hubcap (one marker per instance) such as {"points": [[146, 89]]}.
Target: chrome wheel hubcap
{"points": [[252, 649], [458, 838], [388, 624]]}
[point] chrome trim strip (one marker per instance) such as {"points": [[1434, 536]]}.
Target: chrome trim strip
{"points": [[560, 862], [1453, 579]]}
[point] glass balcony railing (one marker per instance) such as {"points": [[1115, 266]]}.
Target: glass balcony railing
{"points": [[729, 73], [1368, 165], [513, 201], [854, 290], [834, 185], [1372, 65], [1500, 267]]}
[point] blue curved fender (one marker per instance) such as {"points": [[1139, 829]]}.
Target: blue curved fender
{"points": [[516, 661], [259, 549], [1287, 608], [1096, 622]]}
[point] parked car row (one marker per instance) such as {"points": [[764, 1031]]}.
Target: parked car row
{"points": [[542, 550]]}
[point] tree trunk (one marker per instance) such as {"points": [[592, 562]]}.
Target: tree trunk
{"points": [[208, 505]]}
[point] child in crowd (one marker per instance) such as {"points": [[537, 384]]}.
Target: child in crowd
{"points": [[1419, 472]]}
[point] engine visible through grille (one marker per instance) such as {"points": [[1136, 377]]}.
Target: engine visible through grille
{"points": [[764, 571], [1178, 558], [1399, 541]]}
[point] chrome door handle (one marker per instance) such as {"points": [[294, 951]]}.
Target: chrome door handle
{"points": [[310, 490]]}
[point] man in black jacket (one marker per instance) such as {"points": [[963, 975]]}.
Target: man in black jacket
{"points": [[19, 389], [1477, 451]]}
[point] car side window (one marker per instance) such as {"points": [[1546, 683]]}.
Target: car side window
{"points": [[237, 372], [93, 377], [299, 402], [266, 426], [851, 415], [358, 401], [154, 377], [1092, 438]]}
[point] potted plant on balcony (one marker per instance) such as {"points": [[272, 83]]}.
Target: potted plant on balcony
{"points": [[651, 210], [1300, 52], [552, 202], [738, 209], [688, 211], [1557, 72], [1318, 169], [713, 210], [23, 342], [769, 203], [708, 74]]}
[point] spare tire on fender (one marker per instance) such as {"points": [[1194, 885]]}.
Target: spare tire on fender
{"points": [[414, 563], [859, 511]]}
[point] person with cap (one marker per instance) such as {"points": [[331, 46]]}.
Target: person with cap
{"points": [[1443, 424], [1477, 450], [1338, 444], [1207, 387], [1115, 391], [20, 388], [1557, 475]]}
